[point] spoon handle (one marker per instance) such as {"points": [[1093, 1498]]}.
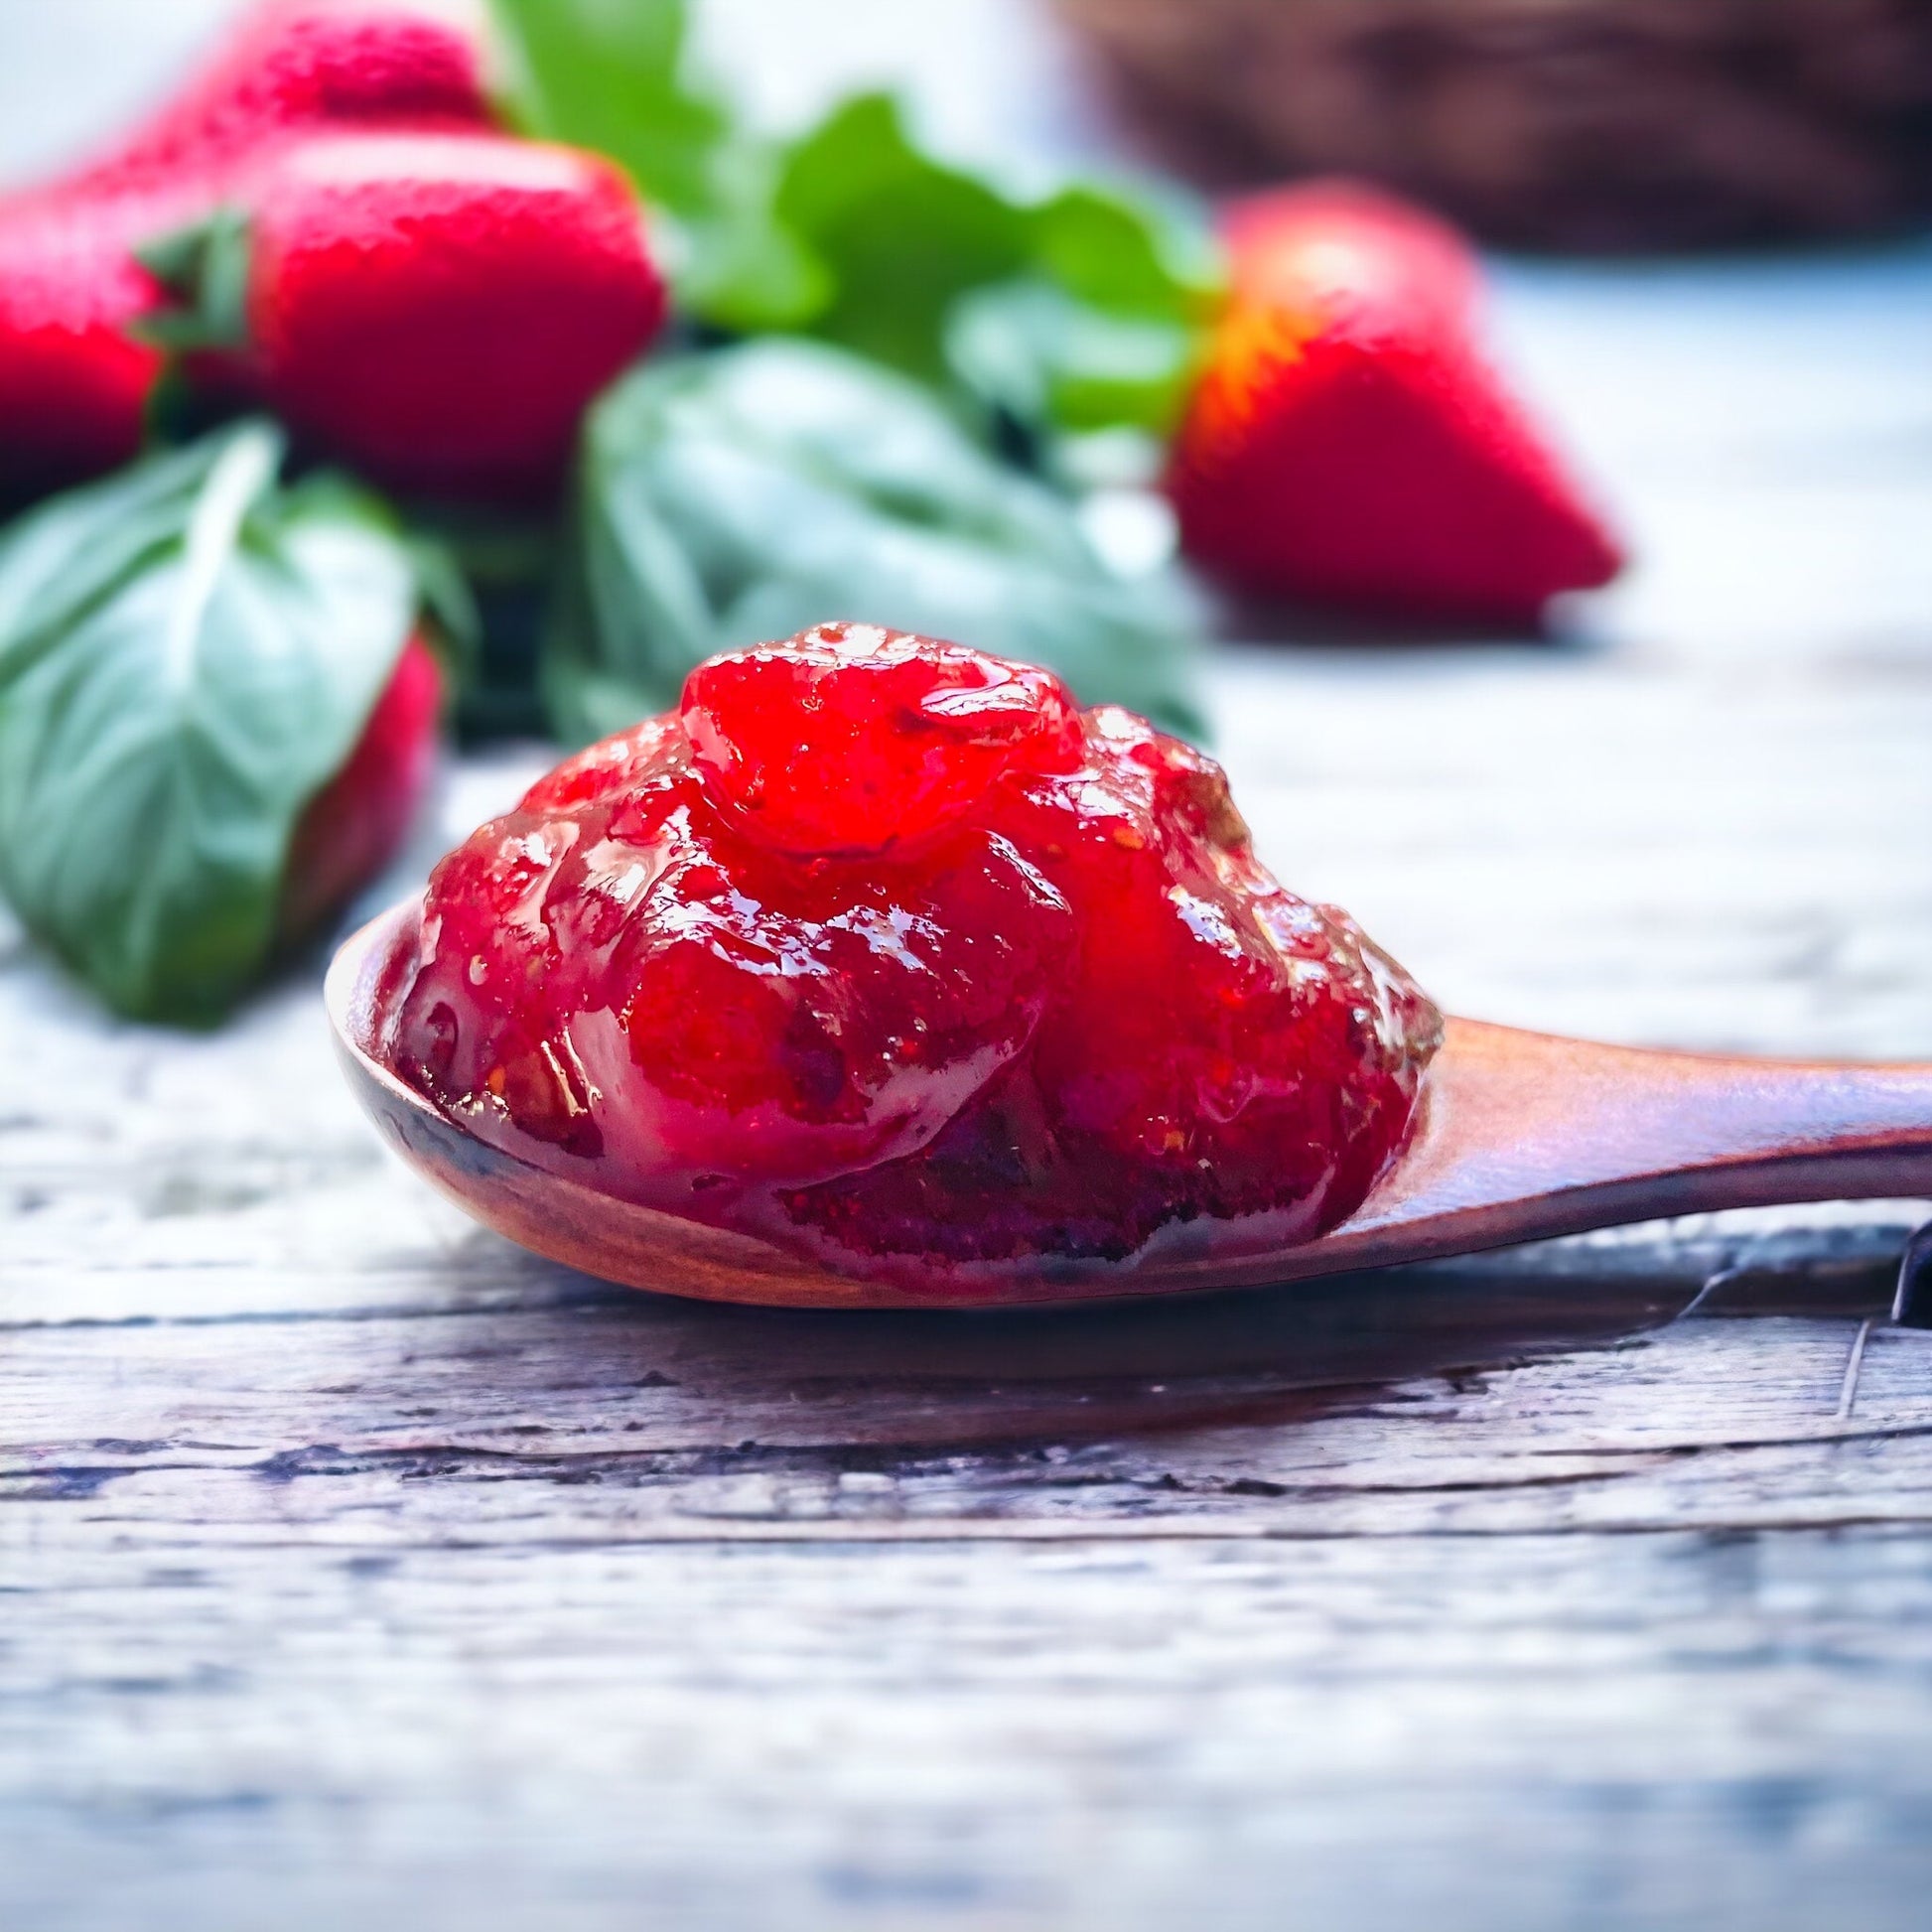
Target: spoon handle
{"points": [[1659, 1133]]}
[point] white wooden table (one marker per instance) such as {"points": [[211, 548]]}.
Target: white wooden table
{"points": [[358, 1570]]}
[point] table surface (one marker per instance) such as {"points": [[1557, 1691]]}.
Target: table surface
{"points": [[358, 1568]]}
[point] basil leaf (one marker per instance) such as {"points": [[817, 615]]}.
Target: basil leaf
{"points": [[1047, 359], [615, 75], [187, 655], [900, 235], [1150, 255], [853, 232], [748, 493], [612, 74]]}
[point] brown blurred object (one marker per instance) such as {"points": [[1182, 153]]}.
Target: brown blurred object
{"points": [[1594, 125]]}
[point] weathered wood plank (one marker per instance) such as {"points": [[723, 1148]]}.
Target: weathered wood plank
{"points": [[1669, 1732], [601, 1419]]}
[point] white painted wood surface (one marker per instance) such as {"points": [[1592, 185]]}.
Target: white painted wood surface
{"points": [[357, 1570]]}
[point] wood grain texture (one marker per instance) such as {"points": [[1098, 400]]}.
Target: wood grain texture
{"points": [[562, 1604], [357, 1569]]}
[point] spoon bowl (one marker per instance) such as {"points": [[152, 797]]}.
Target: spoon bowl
{"points": [[1520, 1137]]}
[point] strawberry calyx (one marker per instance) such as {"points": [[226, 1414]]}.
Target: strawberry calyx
{"points": [[203, 267]]}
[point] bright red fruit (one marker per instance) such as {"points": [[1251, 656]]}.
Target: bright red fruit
{"points": [[1349, 444], [1336, 238], [440, 309], [74, 381], [295, 66], [912, 732], [1023, 991], [353, 826]]}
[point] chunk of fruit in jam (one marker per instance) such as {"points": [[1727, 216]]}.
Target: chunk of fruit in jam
{"points": [[849, 739], [883, 949]]}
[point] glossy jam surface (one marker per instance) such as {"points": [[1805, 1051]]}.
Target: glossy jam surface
{"points": [[883, 950]]}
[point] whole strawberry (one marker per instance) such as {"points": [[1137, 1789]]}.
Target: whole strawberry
{"points": [[293, 67], [1348, 442], [74, 378], [439, 308], [1342, 237]]}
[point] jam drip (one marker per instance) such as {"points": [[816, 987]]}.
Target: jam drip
{"points": [[883, 948]]}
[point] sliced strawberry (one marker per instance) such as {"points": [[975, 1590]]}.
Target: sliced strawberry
{"points": [[1349, 444]]}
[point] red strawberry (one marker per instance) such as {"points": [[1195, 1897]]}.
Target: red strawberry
{"points": [[74, 381], [1342, 237], [440, 309], [1348, 442], [351, 828], [291, 67]]}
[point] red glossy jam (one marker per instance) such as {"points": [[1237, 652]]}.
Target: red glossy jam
{"points": [[884, 950]]}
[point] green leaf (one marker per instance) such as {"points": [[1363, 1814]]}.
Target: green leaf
{"points": [[1118, 287], [1106, 329], [851, 233], [615, 75], [738, 267], [187, 655], [748, 493], [612, 75], [900, 235], [205, 269], [1129, 255], [1046, 358]]}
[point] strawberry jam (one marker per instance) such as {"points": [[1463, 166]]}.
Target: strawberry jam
{"points": [[883, 950]]}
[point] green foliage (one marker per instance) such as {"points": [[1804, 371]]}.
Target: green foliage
{"points": [[187, 655], [612, 75], [854, 234], [1132, 257], [615, 75], [899, 236], [748, 493], [1044, 357], [204, 267]]}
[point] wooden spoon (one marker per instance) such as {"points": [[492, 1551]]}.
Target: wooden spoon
{"points": [[1522, 1136]]}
